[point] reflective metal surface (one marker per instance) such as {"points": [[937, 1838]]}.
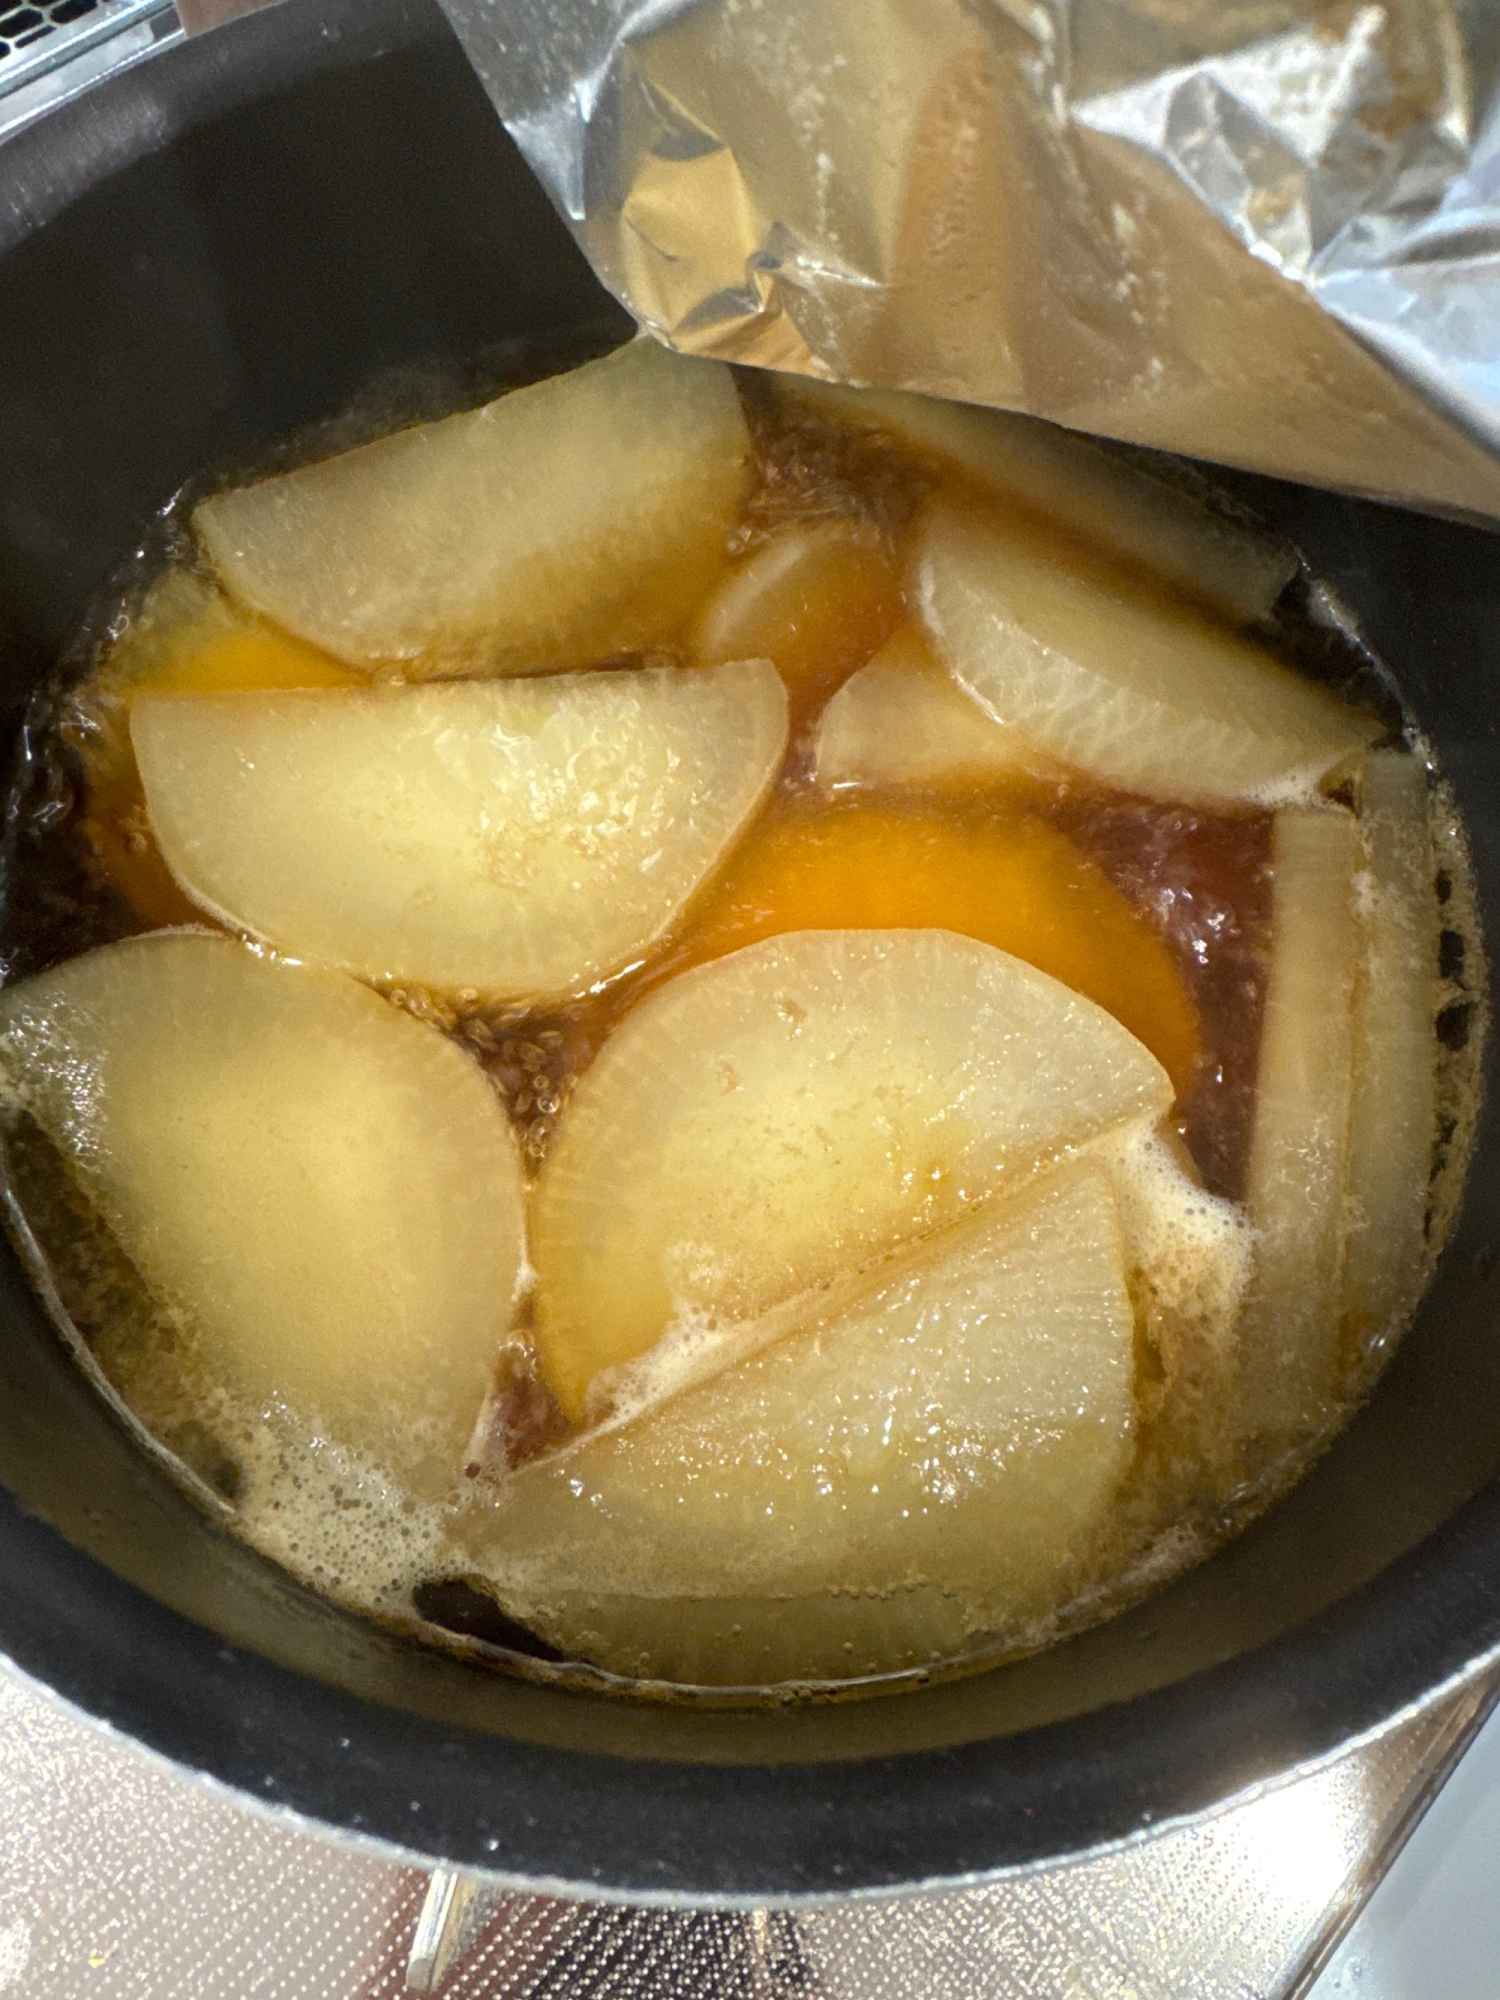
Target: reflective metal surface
{"points": [[1260, 231], [120, 1878]]}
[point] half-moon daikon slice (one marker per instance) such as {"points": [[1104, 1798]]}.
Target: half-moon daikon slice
{"points": [[954, 1436], [775, 1119], [1393, 1115], [817, 600], [1296, 1179], [904, 720], [567, 522], [1008, 878], [323, 1192], [1086, 488], [1140, 692], [186, 637], [512, 838]]}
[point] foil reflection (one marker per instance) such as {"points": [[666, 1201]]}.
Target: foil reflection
{"points": [[1258, 231]]}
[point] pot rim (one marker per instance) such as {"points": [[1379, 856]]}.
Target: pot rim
{"points": [[737, 1835]]}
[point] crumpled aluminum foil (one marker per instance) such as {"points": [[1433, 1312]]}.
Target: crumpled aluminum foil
{"points": [[1265, 232]]}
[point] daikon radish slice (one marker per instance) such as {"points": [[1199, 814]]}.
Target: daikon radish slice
{"points": [[1089, 490], [1393, 1114], [904, 720], [189, 638], [186, 637], [1138, 691], [511, 838], [956, 1433], [775, 1119], [817, 600], [1007, 878], [567, 522], [1296, 1180], [324, 1192]]}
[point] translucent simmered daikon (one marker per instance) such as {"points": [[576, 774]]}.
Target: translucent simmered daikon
{"points": [[904, 720], [513, 838], [1139, 692], [578, 518], [773, 1120], [956, 1433], [188, 637], [1393, 1108], [816, 599], [1006, 877], [1075, 481], [185, 637], [1295, 1183], [322, 1192]]}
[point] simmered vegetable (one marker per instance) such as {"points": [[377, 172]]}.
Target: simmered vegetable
{"points": [[1008, 879], [817, 600], [780, 1117], [322, 1191], [187, 638], [510, 838], [1295, 1191], [1139, 692], [581, 517], [904, 720], [1088, 490], [1393, 1113], [957, 1433]]}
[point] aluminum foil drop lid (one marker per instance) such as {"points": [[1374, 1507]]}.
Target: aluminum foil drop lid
{"points": [[1265, 232]]}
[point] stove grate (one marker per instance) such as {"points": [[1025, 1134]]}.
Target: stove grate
{"points": [[50, 50], [22, 26]]}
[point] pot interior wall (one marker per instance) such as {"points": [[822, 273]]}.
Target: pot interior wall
{"points": [[332, 211]]}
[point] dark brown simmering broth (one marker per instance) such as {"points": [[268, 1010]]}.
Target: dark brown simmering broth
{"points": [[823, 1069]]}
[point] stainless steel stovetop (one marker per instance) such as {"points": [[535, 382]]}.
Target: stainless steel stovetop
{"points": [[124, 1879]]}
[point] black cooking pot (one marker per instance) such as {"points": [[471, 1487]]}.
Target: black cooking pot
{"points": [[225, 245]]}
